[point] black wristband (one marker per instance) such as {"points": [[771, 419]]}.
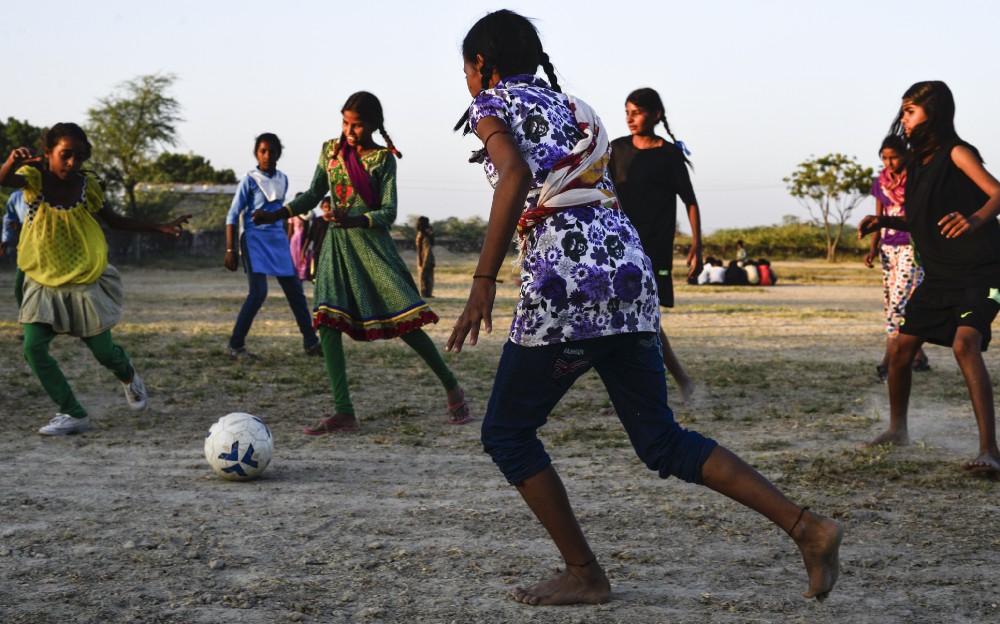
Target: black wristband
{"points": [[489, 277]]}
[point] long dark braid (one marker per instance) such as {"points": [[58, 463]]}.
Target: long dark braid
{"points": [[550, 72], [388, 141], [676, 142]]}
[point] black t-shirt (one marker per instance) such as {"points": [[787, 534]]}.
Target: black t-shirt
{"points": [[933, 190], [648, 182]]}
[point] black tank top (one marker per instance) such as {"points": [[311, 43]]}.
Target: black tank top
{"points": [[933, 190]]}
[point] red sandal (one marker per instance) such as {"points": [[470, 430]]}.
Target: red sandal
{"points": [[458, 413]]}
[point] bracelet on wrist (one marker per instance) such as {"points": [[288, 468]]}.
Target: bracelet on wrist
{"points": [[488, 277], [230, 250]]}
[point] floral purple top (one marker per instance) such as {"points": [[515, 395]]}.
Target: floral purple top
{"points": [[584, 274]]}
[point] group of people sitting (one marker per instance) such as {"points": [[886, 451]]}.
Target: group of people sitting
{"points": [[746, 273]]}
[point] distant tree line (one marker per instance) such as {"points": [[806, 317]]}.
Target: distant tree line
{"points": [[130, 130]]}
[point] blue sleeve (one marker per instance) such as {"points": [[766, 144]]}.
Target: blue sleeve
{"points": [[489, 103], [241, 202], [10, 218]]}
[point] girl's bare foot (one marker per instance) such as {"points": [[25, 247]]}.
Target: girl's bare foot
{"points": [[890, 436], [337, 423], [586, 584], [984, 463], [818, 539]]}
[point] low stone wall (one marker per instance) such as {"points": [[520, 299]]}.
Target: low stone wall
{"points": [[137, 246]]}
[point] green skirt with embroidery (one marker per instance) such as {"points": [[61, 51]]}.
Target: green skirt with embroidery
{"points": [[363, 287]]}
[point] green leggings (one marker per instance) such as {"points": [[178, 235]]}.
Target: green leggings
{"points": [[336, 363], [37, 337]]}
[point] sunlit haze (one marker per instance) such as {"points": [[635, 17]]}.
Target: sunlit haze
{"points": [[752, 88]]}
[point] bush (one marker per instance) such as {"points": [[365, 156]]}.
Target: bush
{"points": [[791, 239]]}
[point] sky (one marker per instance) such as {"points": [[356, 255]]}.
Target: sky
{"points": [[753, 88]]}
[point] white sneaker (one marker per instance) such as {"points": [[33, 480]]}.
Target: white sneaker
{"points": [[135, 392], [64, 424]]}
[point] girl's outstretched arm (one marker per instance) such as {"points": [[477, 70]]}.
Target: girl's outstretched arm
{"points": [[956, 224], [18, 158], [508, 203], [116, 221], [874, 223]]}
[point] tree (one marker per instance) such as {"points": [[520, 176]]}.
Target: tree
{"points": [[128, 126], [186, 169], [16, 133], [833, 186]]}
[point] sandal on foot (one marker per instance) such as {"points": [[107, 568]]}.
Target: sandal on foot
{"points": [[334, 424], [458, 413]]}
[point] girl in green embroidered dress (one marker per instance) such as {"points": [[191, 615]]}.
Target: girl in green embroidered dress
{"points": [[363, 287]]}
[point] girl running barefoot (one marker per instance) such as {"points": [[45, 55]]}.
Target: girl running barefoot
{"points": [[363, 287], [264, 248], [650, 173], [900, 271], [952, 204], [69, 286], [587, 301]]}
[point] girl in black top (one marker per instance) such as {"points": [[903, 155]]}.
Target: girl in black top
{"points": [[649, 173], [952, 204]]}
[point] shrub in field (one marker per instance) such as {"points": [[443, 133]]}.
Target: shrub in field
{"points": [[791, 239]]}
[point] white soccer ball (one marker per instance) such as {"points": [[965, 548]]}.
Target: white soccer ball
{"points": [[239, 446]]}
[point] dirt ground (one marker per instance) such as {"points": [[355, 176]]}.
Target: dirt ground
{"points": [[408, 521]]}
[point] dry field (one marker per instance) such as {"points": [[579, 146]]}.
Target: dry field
{"points": [[408, 521]]}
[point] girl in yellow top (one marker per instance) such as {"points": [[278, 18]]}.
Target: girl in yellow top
{"points": [[69, 286]]}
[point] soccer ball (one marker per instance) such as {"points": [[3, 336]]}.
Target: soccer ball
{"points": [[239, 446]]}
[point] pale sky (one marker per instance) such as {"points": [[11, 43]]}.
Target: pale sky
{"points": [[753, 88]]}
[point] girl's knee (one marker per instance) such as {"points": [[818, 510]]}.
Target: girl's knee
{"points": [[681, 454], [967, 344], [35, 351], [518, 453]]}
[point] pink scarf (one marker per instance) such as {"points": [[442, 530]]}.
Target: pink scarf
{"points": [[360, 179], [893, 185]]}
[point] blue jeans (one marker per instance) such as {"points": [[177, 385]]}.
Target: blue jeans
{"points": [[530, 381], [292, 287]]}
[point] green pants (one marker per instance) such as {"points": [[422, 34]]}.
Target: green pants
{"points": [[37, 337], [336, 364]]}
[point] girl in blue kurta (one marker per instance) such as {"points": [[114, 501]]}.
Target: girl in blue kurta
{"points": [[264, 248]]}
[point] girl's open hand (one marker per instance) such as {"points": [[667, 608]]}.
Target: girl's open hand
{"points": [[478, 310], [955, 224], [175, 227]]}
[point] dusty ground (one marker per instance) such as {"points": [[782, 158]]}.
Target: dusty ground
{"points": [[407, 520]]}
